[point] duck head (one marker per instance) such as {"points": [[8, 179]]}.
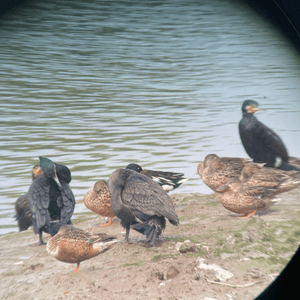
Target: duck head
{"points": [[134, 167], [234, 185]]}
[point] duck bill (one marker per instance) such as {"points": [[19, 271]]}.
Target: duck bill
{"points": [[222, 189]]}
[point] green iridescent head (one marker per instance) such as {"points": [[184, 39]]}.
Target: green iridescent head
{"points": [[49, 168]]}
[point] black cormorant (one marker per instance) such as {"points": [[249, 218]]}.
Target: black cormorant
{"points": [[261, 143], [22, 206], [140, 203], [51, 200]]}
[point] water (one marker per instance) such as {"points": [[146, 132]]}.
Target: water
{"points": [[97, 85]]}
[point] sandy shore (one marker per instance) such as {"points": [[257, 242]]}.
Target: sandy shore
{"points": [[211, 255]]}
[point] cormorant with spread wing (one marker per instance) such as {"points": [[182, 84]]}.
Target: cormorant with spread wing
{"points": [[51, 200]]}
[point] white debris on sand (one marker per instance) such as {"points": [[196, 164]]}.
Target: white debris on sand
{"points": [[179, 244], [219, 272]]}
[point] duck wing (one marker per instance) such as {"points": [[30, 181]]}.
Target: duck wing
{"points": [[257, 191], [79, 234], [167, 180]]}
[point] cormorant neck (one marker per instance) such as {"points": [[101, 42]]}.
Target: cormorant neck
{"points": [[121, 210], [116, 201], [46, 180], [247, 114]]}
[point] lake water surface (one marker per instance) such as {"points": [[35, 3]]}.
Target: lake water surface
{"points": [[96, 85]]}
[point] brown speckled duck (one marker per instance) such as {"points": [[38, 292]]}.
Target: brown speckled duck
{"points": [[280, 180], [98, 201], [217, 171], [200, 168], [73, 245], [246, 199]]}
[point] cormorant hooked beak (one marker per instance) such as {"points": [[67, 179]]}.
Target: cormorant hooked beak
{"points": [[55, 178], [251, 109]]}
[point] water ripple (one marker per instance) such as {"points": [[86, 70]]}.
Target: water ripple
{"points": [[101, 85]]}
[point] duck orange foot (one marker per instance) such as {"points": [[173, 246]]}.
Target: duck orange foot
{"points": [[247, 216]]}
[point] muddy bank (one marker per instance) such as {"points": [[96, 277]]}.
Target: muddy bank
{"points": [[211, 255]]}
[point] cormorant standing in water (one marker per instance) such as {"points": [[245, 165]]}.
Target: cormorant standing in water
{"points": [[140, 203], [261, 143], [51, 200]]}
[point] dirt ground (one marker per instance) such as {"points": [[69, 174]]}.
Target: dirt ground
{"points": [[210, 255]]}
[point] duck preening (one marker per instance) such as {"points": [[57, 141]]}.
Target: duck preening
{"points": [[245, 186], [167, 180], [217, 171], [280, 180], [261, 143], [98, 200], [140, 203], [51, 200], [74, 245]]}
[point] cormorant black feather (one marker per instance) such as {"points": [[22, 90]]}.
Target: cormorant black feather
{"points": [[51, 200], [261, 143], [140, 203]]}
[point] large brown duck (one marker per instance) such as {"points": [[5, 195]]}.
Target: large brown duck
{"points": [[246, 199], [98, 201], [217, 171], [280, 180], [74, 245]]}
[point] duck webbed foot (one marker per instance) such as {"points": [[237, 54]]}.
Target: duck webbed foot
{"points": [[107, 224], [77, 267], [247, 216]]}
